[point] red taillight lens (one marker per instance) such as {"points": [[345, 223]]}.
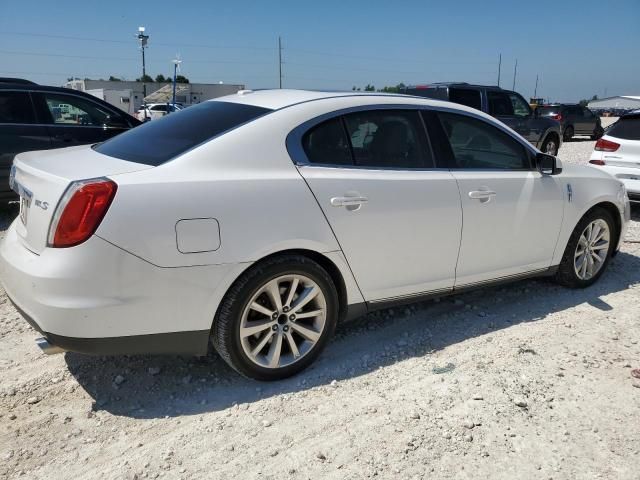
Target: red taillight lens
{"points": [[603, 145], [80, 211], [597, 162], [557, 117]]}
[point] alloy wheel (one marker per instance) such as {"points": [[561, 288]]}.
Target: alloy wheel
{"points": [[283, 321], [592, 249]]}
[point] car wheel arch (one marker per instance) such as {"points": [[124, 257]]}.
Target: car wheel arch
{"points": [[325, 262], [612, 209]]}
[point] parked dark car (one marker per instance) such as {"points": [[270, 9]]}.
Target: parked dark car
{"points": [[37, 117], [507, 106], [574, 120]]}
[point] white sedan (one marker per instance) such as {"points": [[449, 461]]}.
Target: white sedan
{"points": [[618, 153], [258, 221]]}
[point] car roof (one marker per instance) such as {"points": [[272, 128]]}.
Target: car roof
{"points": [[455, 84], [281, 98]]}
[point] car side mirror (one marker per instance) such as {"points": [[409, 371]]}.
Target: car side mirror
{"points": [[548, 164]]}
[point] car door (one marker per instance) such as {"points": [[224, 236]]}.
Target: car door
{"points": [[512, 214], [588, 121], [19, 132], [74, 120], [396, 217]]}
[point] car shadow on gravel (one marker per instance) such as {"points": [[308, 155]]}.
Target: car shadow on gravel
{"points": [[161, 386]]}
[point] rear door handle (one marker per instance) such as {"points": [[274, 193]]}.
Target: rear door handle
{"points": [[348, 201], [65, 137], [479, 194]]}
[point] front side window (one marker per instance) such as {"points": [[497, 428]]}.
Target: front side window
{"points": [[71, 110], [499, 104], [388, 139], [476, 144], [520, 107], [157, 142], [15, 107], [327, 144]]}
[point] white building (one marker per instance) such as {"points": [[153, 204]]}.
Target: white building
{"points": [[622, 102], [128, 96]]}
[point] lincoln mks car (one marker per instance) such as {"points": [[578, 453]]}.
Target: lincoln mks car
{"points": [[257, 222]]}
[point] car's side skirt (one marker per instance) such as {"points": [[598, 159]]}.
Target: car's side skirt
{"points": [[422, 296]]}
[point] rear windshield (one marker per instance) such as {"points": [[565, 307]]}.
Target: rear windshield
{"points": [[159, 141], [626, 129], [546, 111]]}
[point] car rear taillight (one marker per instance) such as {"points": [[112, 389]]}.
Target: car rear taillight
{"points": [[597, 162], [557, 117], [80, 211], [603, 145]]}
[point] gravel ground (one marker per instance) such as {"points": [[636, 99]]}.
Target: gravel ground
{"points": [[527, 381]]}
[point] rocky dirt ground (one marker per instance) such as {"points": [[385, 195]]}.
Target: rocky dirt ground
{"points": [[527, 381]]}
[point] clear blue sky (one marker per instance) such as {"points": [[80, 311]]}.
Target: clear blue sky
{"points": [[578, 48]]}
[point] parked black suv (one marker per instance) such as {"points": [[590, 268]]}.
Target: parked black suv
{"points": [[36, 117], [507, 106], [574, 120]]}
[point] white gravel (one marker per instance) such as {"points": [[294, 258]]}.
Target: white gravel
{"points": [[527, 381]]}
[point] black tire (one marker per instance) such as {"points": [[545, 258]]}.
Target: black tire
{"points": [[550, 145], [568, 133], [597, 133], [566, 274], [225, 334]]}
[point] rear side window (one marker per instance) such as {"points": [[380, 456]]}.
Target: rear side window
{"points": [[388, 139], [478, 145], [161, 140], [466, 96], [625, 129], [327, 144], [16, 107]]}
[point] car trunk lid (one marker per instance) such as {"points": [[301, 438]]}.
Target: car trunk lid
{"points": [[42, 177]]}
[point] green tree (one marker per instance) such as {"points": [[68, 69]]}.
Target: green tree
{"points": [[369, 88], [181, 79], [144, 78], [160, 78], [113, 79]]}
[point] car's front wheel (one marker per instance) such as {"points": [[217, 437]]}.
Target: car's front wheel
{"points": [[588, 251], [550, 145], [276, 318]]}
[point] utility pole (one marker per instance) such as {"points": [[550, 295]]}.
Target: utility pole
{"points": [[499, 67], [515, 71], [280, 61], [176, 63], [535, 90], [143, 44]]}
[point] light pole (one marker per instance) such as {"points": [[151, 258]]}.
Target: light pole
{"points": [[176, 63], [143, 44]]}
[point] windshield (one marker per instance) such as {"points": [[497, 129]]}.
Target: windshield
{"points": [[157, 142]]}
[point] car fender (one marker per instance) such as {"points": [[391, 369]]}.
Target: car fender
{"points": [[584, 188]]}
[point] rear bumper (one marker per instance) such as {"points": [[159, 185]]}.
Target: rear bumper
{"points": [[96, 298]]}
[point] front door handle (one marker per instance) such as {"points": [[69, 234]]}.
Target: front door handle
{"points": [[484, 196], [352, 203], [480, 194]]}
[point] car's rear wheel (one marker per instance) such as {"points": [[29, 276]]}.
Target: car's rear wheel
{"points": [[568, 133], [276, 318], [588, 251], [550, 145]]}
